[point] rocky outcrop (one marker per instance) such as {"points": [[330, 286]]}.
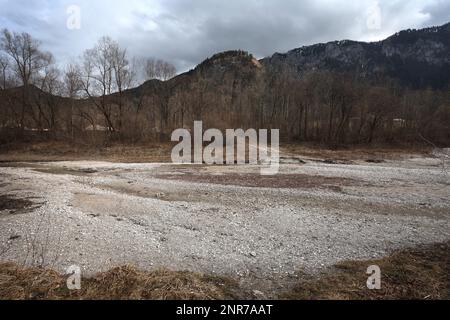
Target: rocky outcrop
{"points": [[416, 58]]}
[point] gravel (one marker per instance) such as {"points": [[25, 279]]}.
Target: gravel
{"points": [[99, 215]]}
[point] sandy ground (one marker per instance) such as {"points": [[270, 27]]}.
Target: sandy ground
{"points": [[224, 220]]}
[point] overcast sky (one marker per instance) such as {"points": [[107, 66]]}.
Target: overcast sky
{"points": [[186, 32]]}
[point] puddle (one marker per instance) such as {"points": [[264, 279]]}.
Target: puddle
{"points": [[16, 205], [66, 171]]}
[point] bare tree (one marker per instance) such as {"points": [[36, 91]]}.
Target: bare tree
{"points": [[26, 53], [107, 70], [4, 65], [72, 86], [159, 69], [379, 101], [150, 69], [123, 76], [72, 81], [166, 70], [28, 60], [50, 85], [97, 78]]}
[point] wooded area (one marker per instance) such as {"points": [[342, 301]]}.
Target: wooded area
{"points": [[97, 101]]}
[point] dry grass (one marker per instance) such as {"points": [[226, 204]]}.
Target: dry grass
{"points": [[161, 152], [18, 283], [412, 274], [59, 151], [362, 153]]}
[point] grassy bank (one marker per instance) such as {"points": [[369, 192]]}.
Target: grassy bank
{"points": [[410, 274]]}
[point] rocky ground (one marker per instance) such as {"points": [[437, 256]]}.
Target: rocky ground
{"points": [[220, 220]]}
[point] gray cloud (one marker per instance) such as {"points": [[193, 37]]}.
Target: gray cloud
{"points": [[439, 12], [186, 32]]}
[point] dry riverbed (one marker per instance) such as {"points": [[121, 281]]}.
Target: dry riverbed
{"points": [[221, 220]]}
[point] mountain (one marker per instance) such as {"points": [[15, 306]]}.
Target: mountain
{"points": [[234, 90], [416, 58], [218, 91]]}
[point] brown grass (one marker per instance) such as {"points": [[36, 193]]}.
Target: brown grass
{"points": [[355, 153], [59, 151], [18, 283], [161, 152], [411, 274]]}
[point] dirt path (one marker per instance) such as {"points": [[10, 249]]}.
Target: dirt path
{"points": [[223, 220]]}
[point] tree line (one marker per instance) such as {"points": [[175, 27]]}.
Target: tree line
{"points": [[40, 97], [96, 99]]}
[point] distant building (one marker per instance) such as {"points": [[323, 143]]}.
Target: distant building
{"points": [[399, 123], [97, 127]]}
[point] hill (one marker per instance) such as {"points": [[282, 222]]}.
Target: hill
{"points": [[416, 58]]}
